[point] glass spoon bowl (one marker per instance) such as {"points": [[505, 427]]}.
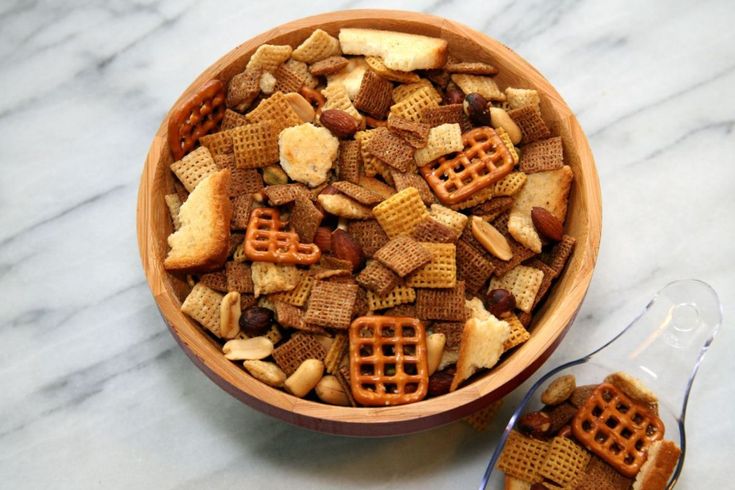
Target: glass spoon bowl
{"points": [[663, 347]]}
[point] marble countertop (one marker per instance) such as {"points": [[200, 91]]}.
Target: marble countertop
{"points": [[96, 393]]}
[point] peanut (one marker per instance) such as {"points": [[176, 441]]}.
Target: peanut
{"points": [[267, 372], [434, 350], [305, 378], [229, 317], [329, 390], [300, 106], [248, 349], [500, 118]]}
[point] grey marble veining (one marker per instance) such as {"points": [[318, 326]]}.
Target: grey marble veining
{"points": [[95, 392]]}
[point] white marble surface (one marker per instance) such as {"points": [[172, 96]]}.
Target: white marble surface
{"points": [[95, 393]]}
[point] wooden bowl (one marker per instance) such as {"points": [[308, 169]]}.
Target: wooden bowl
{"points": [[551, 322]]}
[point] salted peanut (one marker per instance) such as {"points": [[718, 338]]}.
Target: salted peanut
{"points": [[300, 106], [229, 315], [490, 238], [305, 378], [248, 349], [500, 119], [329, 390], [267, 372], [434, 349]]}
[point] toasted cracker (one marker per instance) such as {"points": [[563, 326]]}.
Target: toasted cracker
{"points": [[440, 272], [402, 92], [377, 278], [243, 89], [374, 96], [174, 205], [542, 156], [531, 123], [403, 255], [446, 114], [255, 145], [405, 180], [330, 304], [472, 68], [203, 305], [338, 98], [431, 230], [518, 333], [328, 66], [268, 57], [194, 167], [413, 106], [443, 140], [242, 205], [305, 219], [376, 64], [481, 347], [272, 278], [318, 46], [482, 85], [369, 235], [358, 193], [473, 266], [300, 347], [548, 190], [391, 149], [414, 133], [510, 185], [523, 282], [346, 207], [521, 97], [442, 304], [400, 213], [397, 296], [349, 160]]}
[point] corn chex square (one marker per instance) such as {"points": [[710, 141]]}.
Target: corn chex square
{"points": [[400, 213], [412, 107], [484, 86], [397, 296], [194, 167], [318, 46], [255, 145], [523, 282], [441, 272]]}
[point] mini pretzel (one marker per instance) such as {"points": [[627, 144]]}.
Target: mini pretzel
{"points": [[617, 429], [195, 117], [266, 241], [314, 97], [388, 364], [484, 161]]}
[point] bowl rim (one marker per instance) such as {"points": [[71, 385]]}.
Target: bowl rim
{"points": [[368, 421]]}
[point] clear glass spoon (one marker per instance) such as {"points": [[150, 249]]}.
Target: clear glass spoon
{"points": [[662, 347]]}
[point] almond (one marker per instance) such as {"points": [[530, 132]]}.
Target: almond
{"points": [[490, 238], [341, 124], [346, 248], [323, 239], [547, 224], [534, 424]]}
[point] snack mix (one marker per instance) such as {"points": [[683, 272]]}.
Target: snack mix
{"points": [[365, 220], [606, 436]]}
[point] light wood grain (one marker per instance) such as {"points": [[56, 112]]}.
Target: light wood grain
{"points": [[551, 323]]}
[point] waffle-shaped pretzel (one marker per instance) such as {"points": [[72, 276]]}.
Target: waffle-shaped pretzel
{"points": [[617, 429], [266, 240], [388, 363], [484, 161], [197, 116]]}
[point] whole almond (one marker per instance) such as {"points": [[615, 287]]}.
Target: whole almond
{"points": [[346, 248], [323, 239], [341, 124], [547, 224]]}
